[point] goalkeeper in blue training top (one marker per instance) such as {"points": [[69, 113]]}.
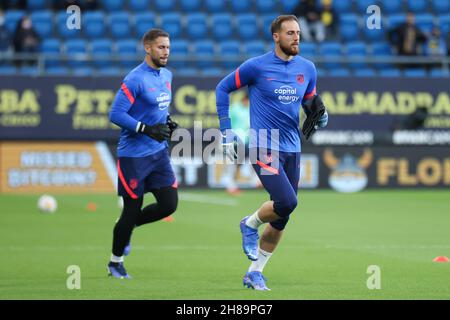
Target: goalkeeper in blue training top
{"points": [[279, 83]]}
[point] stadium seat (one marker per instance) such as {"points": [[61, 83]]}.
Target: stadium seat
{"points": [[362, 5], [339, 72], [382, 50], [190, 6], [164, 5], [230, 52], [321, 72], [425, 22], [389, 73], [204, 52], [109, 71], [12, 17], [391, 6], [43, 23], [444, 23], [222, 27], [112, 5], [63, 31], [330, 49], [254, 48], [28, 71], [394, 20], [365, 72], [356, 50], [308, 49], [186, 72], [342, 7], [248, 27], [76, 53], [212, 72], [8, 70], [83, 72], [120, 25], [241, 6], [94, 24], [348, 27], [37, 5], [266, 21], [101, 50], [265, 6], [127, 52], [138, 5], [214, 6], [288, 6], [51, 48], [418, 6], [414, 73], [178, 53], [441, 6], [144, 22], [439, 73], [196, 26], [372, 35], [171, 22]]}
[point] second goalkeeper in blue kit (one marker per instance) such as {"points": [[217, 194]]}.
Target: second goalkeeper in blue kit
{"points": [[141, 110], [279, 83]]}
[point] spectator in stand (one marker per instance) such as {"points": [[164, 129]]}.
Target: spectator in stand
{"points": [[26, 40], [407, 37], [435, 45], [311, 25], [329, 19]]}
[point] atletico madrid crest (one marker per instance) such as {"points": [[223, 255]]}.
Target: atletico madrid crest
{"points": [[300, 78]]}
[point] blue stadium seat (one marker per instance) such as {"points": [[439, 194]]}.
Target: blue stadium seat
{"points": [[382, 50], [51, 48], [332, 50], [215, 6], [94, 24], [212, 72], [366, 72], [12, 17], [266, 21], [444, 23], [441, 6], [356, 50], [339, 72], [254, 48], [288, 6], [418, 6], [204, 52], [394, 20], [76, 49], [321, 72], [187, 72], [63, 31], [28, 71], [37, 5], [342, 7], [439, 73], [110, 71], [425, 22], [178, 52], [391, 6], [196, 26], [372, 35], [171, 22], [389, 73], [120, 25], [144, 22], [265, 6], [222, 27], [230, 52], [127, 52], [190, 6], [138, 5], [83, 71], [308, 49], [43, 23], [348, 28], [101, 50], [112, 5], [248, 27], [164, 5], [241, 6], [362, 5], [8, 70], [415, 73], [57, 71]]}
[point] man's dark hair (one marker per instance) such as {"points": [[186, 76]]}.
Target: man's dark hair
{"points": [[276, 24], [153, 34]]}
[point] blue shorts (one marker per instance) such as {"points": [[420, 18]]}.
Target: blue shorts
{"points": [[279, 174], [144, 174]]}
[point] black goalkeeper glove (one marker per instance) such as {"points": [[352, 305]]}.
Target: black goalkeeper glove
{"points": [[159, 131], [314, 110], [171, 124]]}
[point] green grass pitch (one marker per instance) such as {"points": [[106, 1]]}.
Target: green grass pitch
{"points": [[327, 247]]}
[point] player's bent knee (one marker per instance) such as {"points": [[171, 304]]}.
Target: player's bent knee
{"points": [[285, 207], [280, 224]]}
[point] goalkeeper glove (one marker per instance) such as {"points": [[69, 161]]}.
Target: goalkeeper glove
{"points": [[316, 116], [159, 131], [171, 124], [229, 145]]}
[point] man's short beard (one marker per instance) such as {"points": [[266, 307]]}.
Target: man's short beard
{"points": [[157, 62], [288, 50]]}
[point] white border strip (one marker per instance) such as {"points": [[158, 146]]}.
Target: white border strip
{"points": [[108, 161]]}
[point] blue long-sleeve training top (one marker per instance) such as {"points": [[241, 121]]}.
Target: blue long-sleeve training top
{"points": [[276, 89], [144, 96]]}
